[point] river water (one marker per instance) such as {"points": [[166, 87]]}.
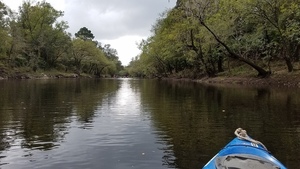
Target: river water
{"points": [[142, 124]]}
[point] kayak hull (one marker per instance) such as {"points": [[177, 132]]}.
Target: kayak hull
{"points": [[243, 154]]}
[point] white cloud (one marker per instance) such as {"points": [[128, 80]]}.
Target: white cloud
{"points": [[14, 4], [127, 47], [120, 23]]}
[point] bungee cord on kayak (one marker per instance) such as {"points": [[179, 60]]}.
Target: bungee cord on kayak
{"points": [[242, 134]]}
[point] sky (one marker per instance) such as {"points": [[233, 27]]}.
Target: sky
{"points": [[120, 23]]}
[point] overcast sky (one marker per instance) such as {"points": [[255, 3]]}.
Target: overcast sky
{"points": [[121, 23]]}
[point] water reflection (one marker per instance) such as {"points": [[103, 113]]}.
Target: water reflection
{"points": [[127, 123], [77, 124], [199, 120], [36, 115]]}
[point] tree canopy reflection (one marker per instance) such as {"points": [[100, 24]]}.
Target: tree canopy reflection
{"points": [[196, 121], [38, 113]]}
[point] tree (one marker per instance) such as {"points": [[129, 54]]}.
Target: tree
{"points": [[85, 34], [40, 31], [180, 46], [3, 32], [205, 12], [87, 57], [165, 52], [109, 52], [198, 48], [135, 69], [197, 36], [280, 21], [112, 55], [81, 50], [58, 44]]}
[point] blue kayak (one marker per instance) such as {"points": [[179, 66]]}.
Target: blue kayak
{"points": [[244, 152]]}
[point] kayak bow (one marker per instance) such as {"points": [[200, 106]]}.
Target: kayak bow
{"points": [[244, 152]]}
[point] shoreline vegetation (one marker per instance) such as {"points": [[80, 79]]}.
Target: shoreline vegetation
{"points": [[34, 39], [279, 79], [256, 44]]}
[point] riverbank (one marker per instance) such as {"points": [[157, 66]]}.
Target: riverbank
{"points": [[23, 74], [278, 79], [271, 81], [275, 80]]}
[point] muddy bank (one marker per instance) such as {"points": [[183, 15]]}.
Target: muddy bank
{"points": [[274, 81], [34, 75]]}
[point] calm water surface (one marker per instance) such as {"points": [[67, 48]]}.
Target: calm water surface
{"points": [[148, 124]]}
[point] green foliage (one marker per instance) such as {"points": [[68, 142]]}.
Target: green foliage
{"points": [[44, 36], [86, 54], [3, 32], [199, 35], [3, 43], [112, 55], [85, 34], [191, 40], [135, 69], [34, 38]]}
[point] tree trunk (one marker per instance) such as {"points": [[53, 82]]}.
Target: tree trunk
{"points": [[286, 53], [220, 64], [162, 64], [210, 72], [296, 55], [261, 72], [289, 64]]}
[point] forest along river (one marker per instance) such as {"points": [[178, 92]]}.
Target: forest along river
{"points": [[149, 124]]}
